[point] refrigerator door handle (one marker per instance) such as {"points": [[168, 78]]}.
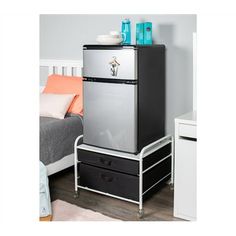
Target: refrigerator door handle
{"points": [[114, 66]]}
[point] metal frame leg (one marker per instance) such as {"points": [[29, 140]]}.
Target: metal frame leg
{"points": [[141, 211], [76, 195], [141, 156]]}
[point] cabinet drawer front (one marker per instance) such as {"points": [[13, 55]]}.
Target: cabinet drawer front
{"points": [[109, 162], [187, 130], [185, 179], [97, 63], [111, 182]]}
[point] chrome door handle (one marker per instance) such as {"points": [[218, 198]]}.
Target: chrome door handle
{"points": [[114, 66]]}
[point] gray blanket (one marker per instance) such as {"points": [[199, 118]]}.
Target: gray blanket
{"points": [[57, 137]]}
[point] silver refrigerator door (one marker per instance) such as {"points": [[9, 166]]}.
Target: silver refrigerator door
{"points": [[110, 115], [110, 64]]}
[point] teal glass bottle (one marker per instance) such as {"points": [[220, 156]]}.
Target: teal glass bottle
{"points": [[126, 32]]}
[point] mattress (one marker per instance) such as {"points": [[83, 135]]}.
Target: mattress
{"points": [[57, 137]]}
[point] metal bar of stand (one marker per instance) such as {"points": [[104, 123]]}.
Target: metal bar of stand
{"points": [[141, 156], [156, 183], [108, 194], [76, 162], [149, 168]]}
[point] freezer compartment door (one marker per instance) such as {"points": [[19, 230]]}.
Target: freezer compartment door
{"points": [[110, 64], [110, 115]]}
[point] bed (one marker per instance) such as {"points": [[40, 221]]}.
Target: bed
{"points": [[57, 136]]}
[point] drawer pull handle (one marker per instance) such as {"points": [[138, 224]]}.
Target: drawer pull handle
{"points": [[188, 138], [106, 178], [105, 162]]}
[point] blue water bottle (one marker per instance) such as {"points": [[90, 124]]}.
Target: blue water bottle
{"points": [[126, 31]]}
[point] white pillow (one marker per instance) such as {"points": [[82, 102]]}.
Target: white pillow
{"points": [[55, 105]]}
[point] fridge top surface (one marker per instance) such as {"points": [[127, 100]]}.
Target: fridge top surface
{"points": [[131, 46]]}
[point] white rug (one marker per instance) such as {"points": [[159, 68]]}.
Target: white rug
{"points": [[64, 211]]}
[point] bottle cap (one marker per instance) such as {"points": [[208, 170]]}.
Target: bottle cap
{"points": [[126, 20]]}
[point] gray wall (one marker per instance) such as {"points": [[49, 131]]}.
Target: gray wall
{"points": [[62, 37]]}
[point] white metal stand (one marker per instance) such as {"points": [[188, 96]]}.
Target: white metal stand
{"points": [[76, 164], [145, 152]]}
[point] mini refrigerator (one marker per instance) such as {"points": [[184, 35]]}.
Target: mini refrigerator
{"points": [[124, 96]]}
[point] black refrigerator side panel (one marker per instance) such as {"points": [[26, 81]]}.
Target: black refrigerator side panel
{"points": [[151, 94]]}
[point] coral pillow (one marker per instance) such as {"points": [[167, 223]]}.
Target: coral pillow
{"points": [[61, 84]]}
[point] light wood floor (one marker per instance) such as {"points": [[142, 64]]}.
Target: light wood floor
{"points": [[158, 208]]}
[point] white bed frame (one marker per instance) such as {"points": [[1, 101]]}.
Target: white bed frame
{"points": [[61, 67]]}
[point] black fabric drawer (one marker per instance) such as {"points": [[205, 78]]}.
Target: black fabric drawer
{"points": [[108, 181], [109, 162], [156, 156], [123, 185]]}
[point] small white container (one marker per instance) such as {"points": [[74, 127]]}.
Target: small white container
{"points": [[114, 39]]}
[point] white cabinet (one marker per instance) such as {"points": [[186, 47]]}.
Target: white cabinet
{"points": [[185, 167]]}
